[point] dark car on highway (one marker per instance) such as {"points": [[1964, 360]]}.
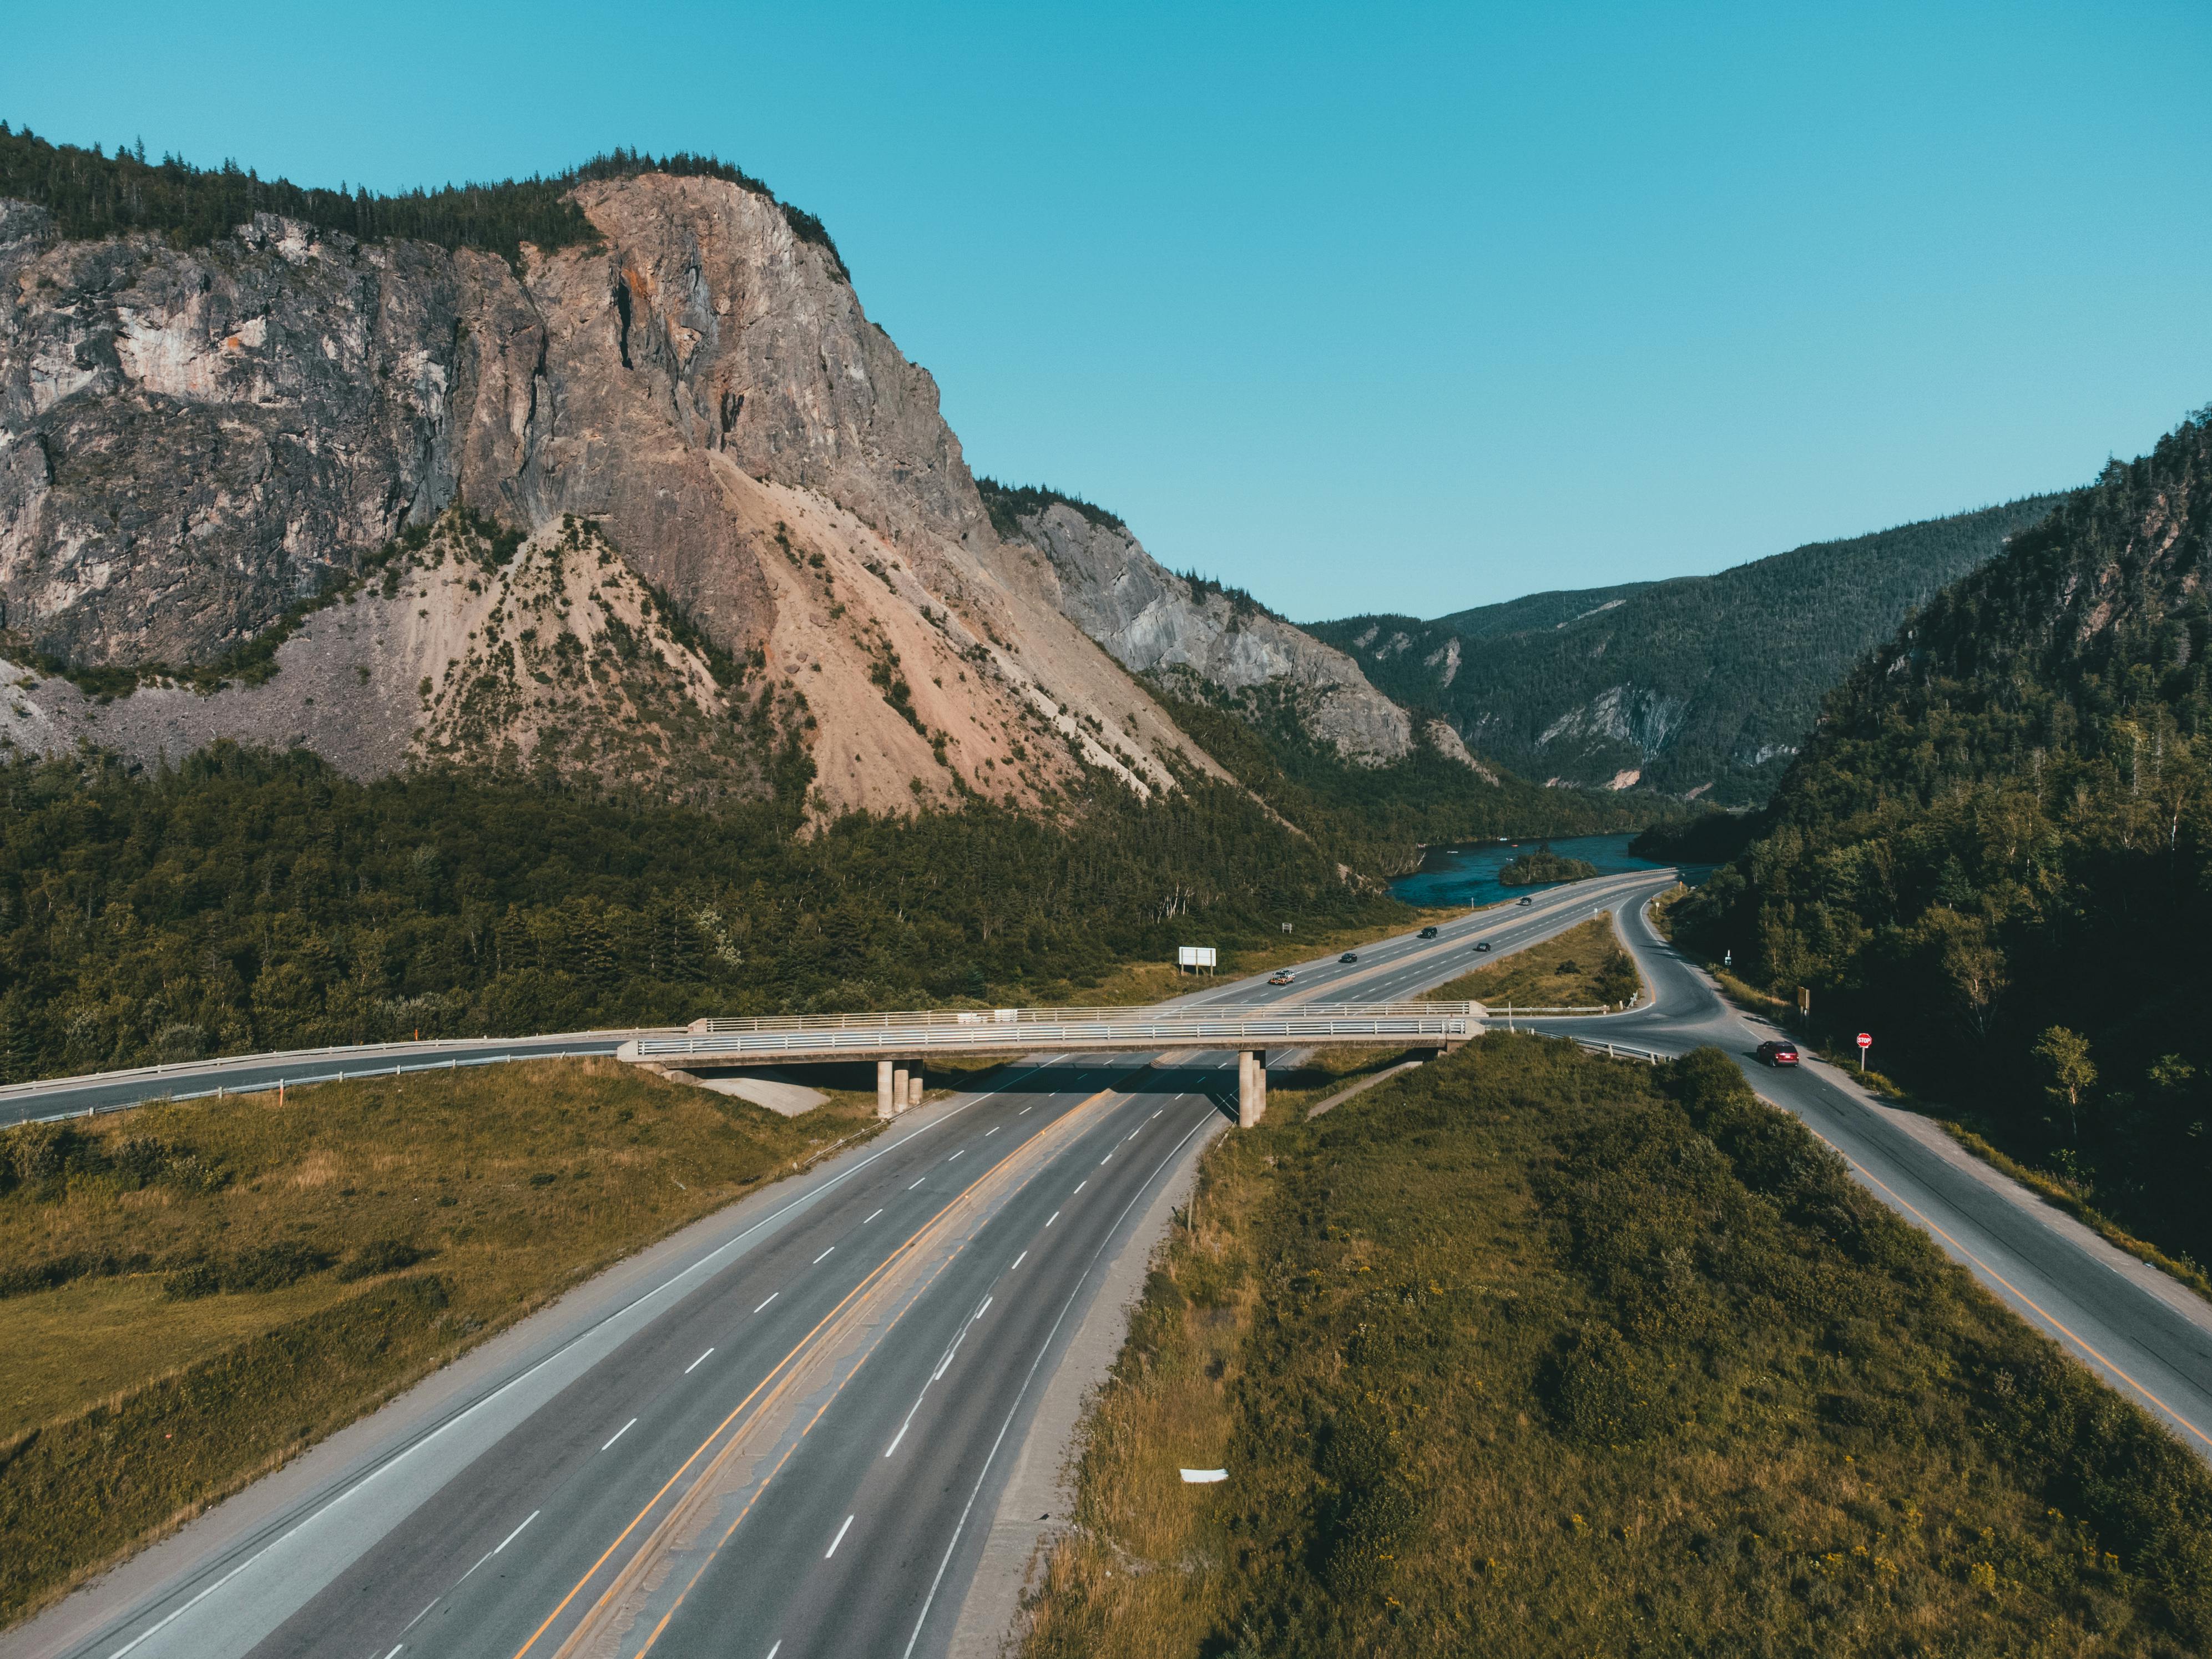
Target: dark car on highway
{"points": [[1349, 956], [1428, 932], [1482, 944], [1528, 900], [1778, 1053]]}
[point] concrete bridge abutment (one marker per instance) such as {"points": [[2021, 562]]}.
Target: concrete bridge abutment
{"points": [[1251, 1087]]}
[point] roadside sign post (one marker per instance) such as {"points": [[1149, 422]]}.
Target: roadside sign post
{"points": [[1727, 958], [1195, 957], [1866, 1042]]}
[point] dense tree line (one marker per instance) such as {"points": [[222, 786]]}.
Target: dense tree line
{"points": [[1720, 676], [94, 194], [1996, 854], [250, 900]]}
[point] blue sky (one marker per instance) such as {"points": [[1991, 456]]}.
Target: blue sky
{"points": [[1364, 308]]}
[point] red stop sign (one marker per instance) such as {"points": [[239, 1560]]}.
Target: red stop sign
{"points": [[1865, 1041]]}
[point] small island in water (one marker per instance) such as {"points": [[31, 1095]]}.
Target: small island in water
{"points": [[1544, 865]]}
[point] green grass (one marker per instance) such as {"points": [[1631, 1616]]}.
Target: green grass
{"points": [[1532, 1352], [1581, 967], [389, 1225]]}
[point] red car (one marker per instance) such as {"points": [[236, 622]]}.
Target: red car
{"points": [[1287, 977], [1778, 1053]]}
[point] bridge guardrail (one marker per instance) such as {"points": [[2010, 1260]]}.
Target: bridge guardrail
{"points": [[879, 1036], [968, 1019]]}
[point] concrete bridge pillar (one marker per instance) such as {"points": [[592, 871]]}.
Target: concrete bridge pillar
{"points": [[899, 1085], [1251, 1087], [884, 1105], [914, 1084]]}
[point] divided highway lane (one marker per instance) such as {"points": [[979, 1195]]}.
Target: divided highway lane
{"points": [[2146, 1336], [883, 1420]]}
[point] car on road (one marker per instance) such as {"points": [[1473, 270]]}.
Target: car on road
{"points": [[1482, 944], [1349, 956], [1528, 900], [1287, 977], [1428, 932], [1778, 1053]]}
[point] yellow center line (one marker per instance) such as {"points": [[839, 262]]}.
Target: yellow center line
{"points": [[775, 1370]]}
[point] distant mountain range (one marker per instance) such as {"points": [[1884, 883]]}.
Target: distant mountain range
{"points": [[1699, 686]]}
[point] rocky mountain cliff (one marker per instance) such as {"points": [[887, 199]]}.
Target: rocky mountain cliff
{"points": [[1203, 640], [199, 444]]}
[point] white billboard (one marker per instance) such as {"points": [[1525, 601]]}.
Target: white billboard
{"points": [[1194, 956]]}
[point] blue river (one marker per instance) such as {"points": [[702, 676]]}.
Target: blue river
{"points": [[1468, 874]]}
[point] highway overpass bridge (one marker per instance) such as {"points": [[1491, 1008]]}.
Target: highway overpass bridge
{"points": [[900, 1043]]}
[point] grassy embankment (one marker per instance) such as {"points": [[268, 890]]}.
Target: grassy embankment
{"points": [[1533, 1352], [194, 1293], [1580, 967]]}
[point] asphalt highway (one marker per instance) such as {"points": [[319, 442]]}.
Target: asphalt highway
{"points": [[787, 1443], [2146, 1336]]}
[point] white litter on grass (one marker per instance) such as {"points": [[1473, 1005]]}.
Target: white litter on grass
{"points": [[1203, 1477]]}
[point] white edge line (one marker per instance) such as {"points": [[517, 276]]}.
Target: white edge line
{"points": [[1043, 1348], [517, 1533]]}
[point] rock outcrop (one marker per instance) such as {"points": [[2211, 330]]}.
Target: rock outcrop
{"points": [[193, 443], [1157, 622]]}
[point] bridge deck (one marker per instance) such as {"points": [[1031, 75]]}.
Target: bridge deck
{"points": [[842, 1036]]}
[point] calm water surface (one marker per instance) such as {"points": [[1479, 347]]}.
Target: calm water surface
{"points": [[1468, 874]]}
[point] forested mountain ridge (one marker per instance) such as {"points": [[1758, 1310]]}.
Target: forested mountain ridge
{"points": [[1698, 686], [2001, 828]]}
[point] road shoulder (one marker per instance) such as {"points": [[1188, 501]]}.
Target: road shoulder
{"points": [[1033, 1512]]}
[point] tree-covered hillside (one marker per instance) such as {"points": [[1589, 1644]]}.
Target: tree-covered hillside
{"points": [[1701, 683], [1996, 854], [250, 900]]}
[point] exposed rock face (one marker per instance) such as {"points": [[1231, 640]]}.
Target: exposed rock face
{"points": [[1154, 623], [192, 440]]}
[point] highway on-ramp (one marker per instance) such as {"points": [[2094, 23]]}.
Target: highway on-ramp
{"points": [[778, 1435], [2147, 1336]]}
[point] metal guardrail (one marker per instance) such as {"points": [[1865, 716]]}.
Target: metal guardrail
{"points": [[968, 1019], [882, 1036], [344, 1074], [211, 1066]]}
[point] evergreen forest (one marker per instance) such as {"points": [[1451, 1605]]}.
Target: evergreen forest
{"points": [[1996, 854], [248, 901]]}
